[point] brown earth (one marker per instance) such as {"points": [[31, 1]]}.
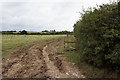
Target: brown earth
{"points": [[39, 61]]}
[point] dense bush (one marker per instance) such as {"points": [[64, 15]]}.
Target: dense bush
{"points": [[98, 36]]}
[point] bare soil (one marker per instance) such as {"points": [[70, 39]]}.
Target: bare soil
{"points": [[39, 61]]}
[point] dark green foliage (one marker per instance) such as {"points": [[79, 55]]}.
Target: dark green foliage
{"points": [[98, 36], [7, 32], [24, 32], [119, 6]]}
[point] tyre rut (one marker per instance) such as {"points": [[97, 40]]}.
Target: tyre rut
{"points": [[38, 61]]}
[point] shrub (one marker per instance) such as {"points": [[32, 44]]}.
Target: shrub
{"points": [[98, 36]]}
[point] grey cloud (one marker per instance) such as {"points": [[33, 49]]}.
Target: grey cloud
{"points": [[37, 16]]}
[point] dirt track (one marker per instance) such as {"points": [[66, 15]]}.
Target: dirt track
{"points": [[39, 61]]}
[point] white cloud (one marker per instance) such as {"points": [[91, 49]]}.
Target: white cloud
{"points": [[37, 15]]}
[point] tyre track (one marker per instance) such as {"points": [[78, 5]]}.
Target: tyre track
{"points": [[39, 61]]}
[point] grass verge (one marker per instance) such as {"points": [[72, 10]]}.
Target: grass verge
{"points": [[88, 70]]}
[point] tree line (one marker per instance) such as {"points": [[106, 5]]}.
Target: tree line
{"points": [[24, 32]]}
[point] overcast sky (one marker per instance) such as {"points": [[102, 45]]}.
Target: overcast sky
{"points": [[38, 15]]}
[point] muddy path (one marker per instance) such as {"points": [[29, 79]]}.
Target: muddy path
{"points": [[39, 61]]}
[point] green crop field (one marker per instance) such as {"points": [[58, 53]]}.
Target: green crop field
{"points": [[11, 43]]}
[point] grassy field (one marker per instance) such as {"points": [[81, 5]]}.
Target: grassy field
{"points": [[11, 43]]}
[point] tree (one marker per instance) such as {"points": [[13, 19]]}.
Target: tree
{"points": [[23, 32], [54, 31]]}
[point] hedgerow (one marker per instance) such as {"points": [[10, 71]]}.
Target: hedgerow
{"points": [[98, 36]]}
